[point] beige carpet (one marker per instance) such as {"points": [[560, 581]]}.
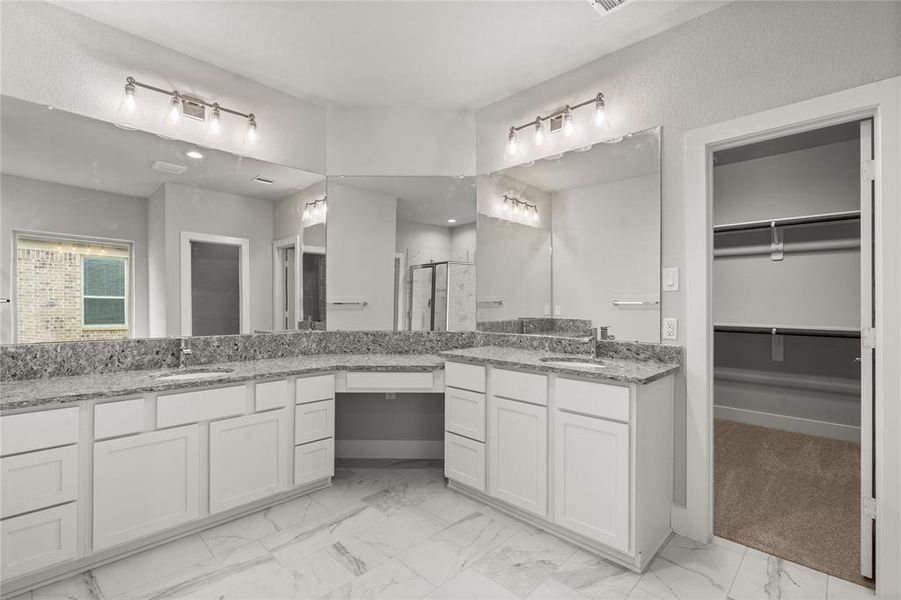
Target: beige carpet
{"points": [[791, 495]]}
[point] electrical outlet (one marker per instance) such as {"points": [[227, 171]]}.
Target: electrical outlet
{"points": [[670, 329], [558, 310], [671, 279]]}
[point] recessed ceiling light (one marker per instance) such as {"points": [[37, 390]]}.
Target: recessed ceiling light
{"points": [[452, 220], [194, 154]]}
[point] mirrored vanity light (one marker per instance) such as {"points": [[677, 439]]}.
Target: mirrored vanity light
{"points": [[539, 131], [314, 212], [511, 142], [519, 210], [600, 110]]}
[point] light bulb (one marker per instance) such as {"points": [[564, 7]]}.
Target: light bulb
{"points": [[539, 131], [215, 124], [600, 110], [506, 204], [324, 207], [252, 135], [535, 213], [568, 121], [511, 142], [130, 101], [175, 108], [127, 115]]}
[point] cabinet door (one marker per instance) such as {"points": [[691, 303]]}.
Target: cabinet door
{"points": [[38, 539], [517, 447], [38, 479], [591, 472], [314, 461], [464, 460], [247, 459], [464, 413], [314, 421], [145, 483]]}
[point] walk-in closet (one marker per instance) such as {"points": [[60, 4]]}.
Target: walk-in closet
{"points": [[792, 306]]}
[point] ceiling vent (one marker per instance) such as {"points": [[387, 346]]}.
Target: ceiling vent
{"points": [[605, 6], [164, 167], [261, 179]]}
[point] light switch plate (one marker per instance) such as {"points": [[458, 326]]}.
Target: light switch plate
{"points": [[671, 279], [670, 329]]}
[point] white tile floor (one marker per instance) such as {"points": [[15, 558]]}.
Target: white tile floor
{"points": [[400, 533]]}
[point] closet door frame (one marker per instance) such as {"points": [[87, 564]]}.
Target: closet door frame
{"points": [[881, 102]]}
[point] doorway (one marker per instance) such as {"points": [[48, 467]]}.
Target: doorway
{"points": [[215, 284]]}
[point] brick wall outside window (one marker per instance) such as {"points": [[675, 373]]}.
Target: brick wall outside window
{"points": [[48, 298]]}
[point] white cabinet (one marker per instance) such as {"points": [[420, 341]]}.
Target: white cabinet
{"points": [[314, 421], [591, 472], [517, 450], [145, 483], [38, 539], [247, 458], [38, 479], [38, 430], [464, 460], [464, 413], [200, 405], [314, 461]]}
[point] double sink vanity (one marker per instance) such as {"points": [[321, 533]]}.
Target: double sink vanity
{"points": [[98, 466]]}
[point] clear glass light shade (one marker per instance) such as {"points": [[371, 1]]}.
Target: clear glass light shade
{"points": [[252, 136], [600, 111], [539, 132], [568, 121], [127, 114], [214, 123], [173, 115], [512, 147]]}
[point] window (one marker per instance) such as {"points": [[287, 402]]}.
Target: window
{"points": [[70, 289], [104, 297]]}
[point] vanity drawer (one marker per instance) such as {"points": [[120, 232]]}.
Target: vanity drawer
{"points": [[314, 421], [595, 399], [314, 461], [464, 413], [203, 405], [38, 540], [271, 394], [516, 385], [38, 479], [113, 419], [465, 377], [311, 389], [374, 380], [38, 430], [464, 460]]}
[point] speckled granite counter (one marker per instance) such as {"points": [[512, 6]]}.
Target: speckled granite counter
{"points": [[62, 390], [610, 369]]}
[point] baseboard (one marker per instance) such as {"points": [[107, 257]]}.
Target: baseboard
{"points": [[389, 448], [847, 433]]}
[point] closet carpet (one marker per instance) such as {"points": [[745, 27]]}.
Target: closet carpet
{"points": [[791, 495]]}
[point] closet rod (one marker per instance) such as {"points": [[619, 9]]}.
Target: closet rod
{"points": [[838, 332], [789, 248], [848, 215]]}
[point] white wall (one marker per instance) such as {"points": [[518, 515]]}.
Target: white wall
{"points": [[463, 243], [360, 254], [606, 248], [53, 56], [400, 141], [707, 71], [289, 211], [205, 211], [156, 262], [30, 204], [423, 243]]}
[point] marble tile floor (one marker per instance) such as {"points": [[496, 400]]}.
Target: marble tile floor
{"points": [[395, 531]]}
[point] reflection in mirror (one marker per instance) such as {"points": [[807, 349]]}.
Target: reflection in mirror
{"points": [[572, 242], [401, 253], [108, 233]]}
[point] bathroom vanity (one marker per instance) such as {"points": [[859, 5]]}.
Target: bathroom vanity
{"points": [[99, 466]]}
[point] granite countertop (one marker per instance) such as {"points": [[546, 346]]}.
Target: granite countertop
{"points": [[62, 390], [609, 369]]}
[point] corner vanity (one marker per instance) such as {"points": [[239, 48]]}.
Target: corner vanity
{"points": [[97, 467]]}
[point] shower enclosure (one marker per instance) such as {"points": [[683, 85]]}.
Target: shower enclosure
{"points": [[442, 296]]}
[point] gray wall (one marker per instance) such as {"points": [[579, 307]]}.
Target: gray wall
{"points": [[738, 60], [53, 208], [375, 417]]}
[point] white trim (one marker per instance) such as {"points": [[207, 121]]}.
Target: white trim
{"points": [[882, 101], [185, 275], [401, 290], [835, 431], [278, 246], [299, 261], [389, 449]]}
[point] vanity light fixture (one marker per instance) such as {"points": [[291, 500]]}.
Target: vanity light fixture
{"points": [[560, 120], [520, 209], [315, 211], [181, 105]]}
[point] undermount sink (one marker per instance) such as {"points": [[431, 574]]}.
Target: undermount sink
{"points": [[189, 374], [584, 363]]}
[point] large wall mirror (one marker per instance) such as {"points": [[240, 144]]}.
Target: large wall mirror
{"points": [[572, 242], [401, 253], [108, 233]]}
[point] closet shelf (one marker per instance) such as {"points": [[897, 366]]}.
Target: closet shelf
{"points": [[807, 330], [848, 215]]}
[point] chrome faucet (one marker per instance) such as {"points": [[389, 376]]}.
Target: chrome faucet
{"points": [[604, 333], [183, 353]]}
